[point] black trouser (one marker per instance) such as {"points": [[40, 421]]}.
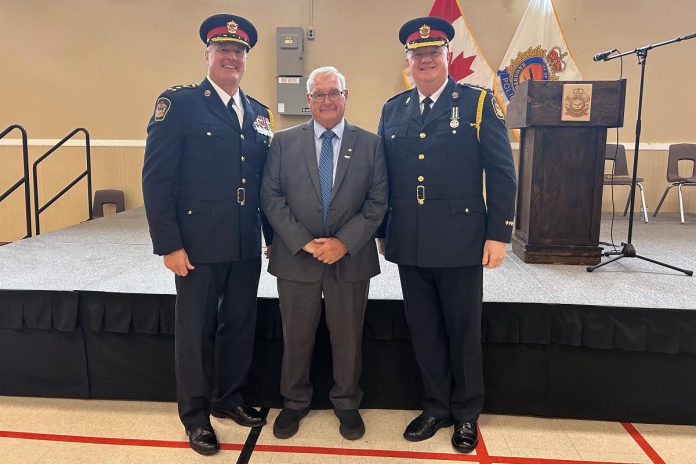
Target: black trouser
{"points": [[214, 336], [443, 309]]}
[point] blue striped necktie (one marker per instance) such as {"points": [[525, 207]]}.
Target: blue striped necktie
{"points": [[326, 175]]}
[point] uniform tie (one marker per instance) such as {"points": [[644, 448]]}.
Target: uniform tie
{"points": [[427, 101], [326, 175], [235, 114]]}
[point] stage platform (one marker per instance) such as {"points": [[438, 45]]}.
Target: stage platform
{"points": [[87, 311]]}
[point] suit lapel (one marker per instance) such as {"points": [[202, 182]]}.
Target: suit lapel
{"points": [[443, 103], [214, 103], [310, 154], [345, 154]]}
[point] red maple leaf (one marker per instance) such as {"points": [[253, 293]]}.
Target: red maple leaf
{"points": [[460, 66]]}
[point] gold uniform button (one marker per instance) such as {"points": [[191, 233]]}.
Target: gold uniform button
{"points": [[421, 156], [466, 210], [454, 131], [242, 136], [421, 178], [242, 158], [243, 181], [422, 135], [208, 134], [393, 136], [189, 212]]}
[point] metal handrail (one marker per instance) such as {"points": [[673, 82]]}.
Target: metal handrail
{"points": [[24, 180], [87, 172]]}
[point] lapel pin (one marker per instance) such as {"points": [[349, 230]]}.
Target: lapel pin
{"points": [[206, 93], [455, 94]]}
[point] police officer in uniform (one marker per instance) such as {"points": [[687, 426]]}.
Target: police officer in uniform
{"points": [[439, 140], [206, 149]]}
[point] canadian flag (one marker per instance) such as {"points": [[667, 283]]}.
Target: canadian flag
{"points": [[466, 62]]}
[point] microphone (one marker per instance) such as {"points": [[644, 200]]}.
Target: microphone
{"points": [[603, 55]]}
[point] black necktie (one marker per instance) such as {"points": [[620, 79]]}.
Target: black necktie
{"points": [[233, 112], [426, 107]]}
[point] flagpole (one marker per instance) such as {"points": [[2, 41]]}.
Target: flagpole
{"points": [[628, 250]]}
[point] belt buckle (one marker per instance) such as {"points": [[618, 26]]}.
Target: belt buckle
{"points": [[241, 196], [420, 194]]}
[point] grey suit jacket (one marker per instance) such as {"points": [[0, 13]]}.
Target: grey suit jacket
{"points": [[291, 200]]}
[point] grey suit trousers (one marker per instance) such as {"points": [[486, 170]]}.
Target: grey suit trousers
{"points": [[300, 308]]}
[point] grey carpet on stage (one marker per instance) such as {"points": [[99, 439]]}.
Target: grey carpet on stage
{"points": [[114, 254]]}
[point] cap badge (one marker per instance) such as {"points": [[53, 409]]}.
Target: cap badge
{"points": [[232, 27], [424, 31]]}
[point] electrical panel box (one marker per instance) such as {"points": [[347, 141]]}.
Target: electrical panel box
{"points": [[292, 96], [290, 51]]}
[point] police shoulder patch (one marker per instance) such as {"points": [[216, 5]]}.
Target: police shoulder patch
{"points": [[161, 108], [496, 108]]}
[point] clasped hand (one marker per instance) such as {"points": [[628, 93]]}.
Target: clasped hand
{"points": [[327, 250]]}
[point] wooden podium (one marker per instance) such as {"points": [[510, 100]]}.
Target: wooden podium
{"points": [[561, 166]]}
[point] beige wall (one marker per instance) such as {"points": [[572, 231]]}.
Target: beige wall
{"points": [[100, 64]]}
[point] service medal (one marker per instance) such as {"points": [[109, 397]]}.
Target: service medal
{"points": [[454, 119]]}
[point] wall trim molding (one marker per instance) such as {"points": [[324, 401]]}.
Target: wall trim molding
{"points": [[141, 144], [74, 143]]}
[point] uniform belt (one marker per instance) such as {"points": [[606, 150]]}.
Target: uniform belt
{"points": [[233, 196], [426, 192], [243, 196]]}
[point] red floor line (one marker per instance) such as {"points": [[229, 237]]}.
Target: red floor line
{"points": [[481, 458], [107, 441], [643, 443], [419, 455], [366, 453], [514, 460], [481, 450]]}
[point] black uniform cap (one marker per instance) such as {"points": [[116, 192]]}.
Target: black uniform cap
{"points": [[426, 32], [228, 28]]}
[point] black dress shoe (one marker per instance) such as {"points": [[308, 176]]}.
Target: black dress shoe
{"points": [[242, 414], [288, 422], [352, 426], [465, 437], [424, 427], [203, 440]]}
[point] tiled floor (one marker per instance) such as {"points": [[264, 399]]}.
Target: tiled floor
{"points": [[41, 430]]}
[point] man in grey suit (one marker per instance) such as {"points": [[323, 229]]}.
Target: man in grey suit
{"points": [[324, 191]]}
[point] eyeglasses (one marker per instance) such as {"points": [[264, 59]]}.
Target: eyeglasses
{"points": [[333, 95]]}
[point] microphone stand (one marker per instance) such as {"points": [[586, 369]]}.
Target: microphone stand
{"points": [[628, 250]]}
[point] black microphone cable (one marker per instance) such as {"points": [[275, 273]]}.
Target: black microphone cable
{"points": [[613, 169]]}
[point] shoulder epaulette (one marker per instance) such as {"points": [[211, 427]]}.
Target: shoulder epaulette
{"points": [[399, 94], [176, 88], [475, 86], [256, 101]]}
